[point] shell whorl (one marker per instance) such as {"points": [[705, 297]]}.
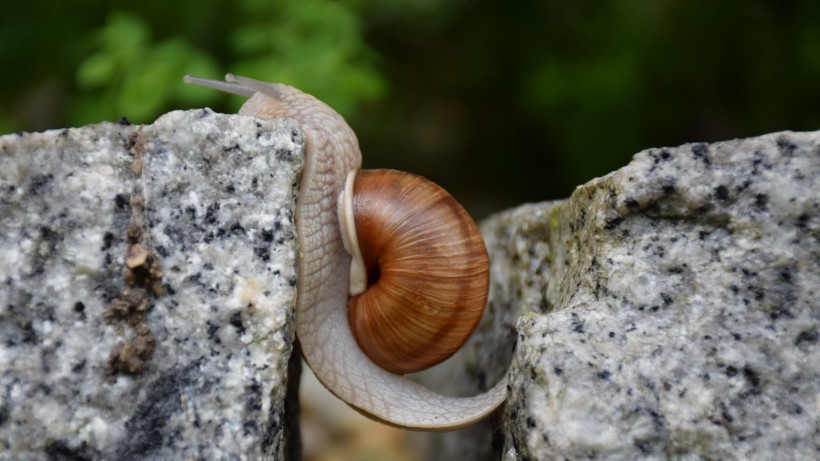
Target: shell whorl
{"points": [[426, 267], [326, 340]]}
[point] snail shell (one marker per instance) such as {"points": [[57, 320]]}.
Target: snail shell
{"points": [[426, 268], [327, 273]]}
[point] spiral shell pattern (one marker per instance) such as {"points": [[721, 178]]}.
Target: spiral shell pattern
{"points": [[427, 271]]}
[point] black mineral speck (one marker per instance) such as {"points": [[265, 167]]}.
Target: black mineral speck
{"points": [[577, 324], [175, 234], [194, 278], [236, 322], [210, 213], [253, 403], [700, 151], [731, 371], [604, 374], [262, 252], [807, 336], [722, 192], [581, 221], [644, 446], [162, 250], [761, 200], [237, 229], [108, 239], [38, 182], [267, 235], [530, 422], [283, 154], [78, 367], [123, 121], [631, 203], [4, 414], [121, 201], [785, 146], [58, 450], [751, 376], [213, 329], [79, 306], [613, 223]]}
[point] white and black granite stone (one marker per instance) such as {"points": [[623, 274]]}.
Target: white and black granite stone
{"points": [[147, 289], [668, 310]]}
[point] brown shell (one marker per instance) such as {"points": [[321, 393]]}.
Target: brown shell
{"points": [[427, 269]]}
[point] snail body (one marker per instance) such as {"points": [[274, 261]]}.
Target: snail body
{"points": [[345, 303]]}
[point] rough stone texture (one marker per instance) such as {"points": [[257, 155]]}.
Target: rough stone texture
{"points": [[671, 309], [148, 289]]}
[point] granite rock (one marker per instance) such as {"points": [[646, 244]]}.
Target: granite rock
{"points": [[670, 309], [148, 289], [674, 308]]}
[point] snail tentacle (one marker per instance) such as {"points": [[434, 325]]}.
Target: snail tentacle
{"points": [[227, 87]]}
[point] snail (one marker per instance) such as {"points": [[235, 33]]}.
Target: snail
{"points": [[352, 259]]}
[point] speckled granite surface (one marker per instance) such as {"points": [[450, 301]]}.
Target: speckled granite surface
{"points": [[148, 287], [671, 310]]}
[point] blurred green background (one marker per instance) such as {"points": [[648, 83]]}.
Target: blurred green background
{"points": [[501, 102]]}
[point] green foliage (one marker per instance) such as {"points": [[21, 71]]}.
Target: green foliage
{"points": [[131, 75], [315, 45], [523, 99], [129, 60]]}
